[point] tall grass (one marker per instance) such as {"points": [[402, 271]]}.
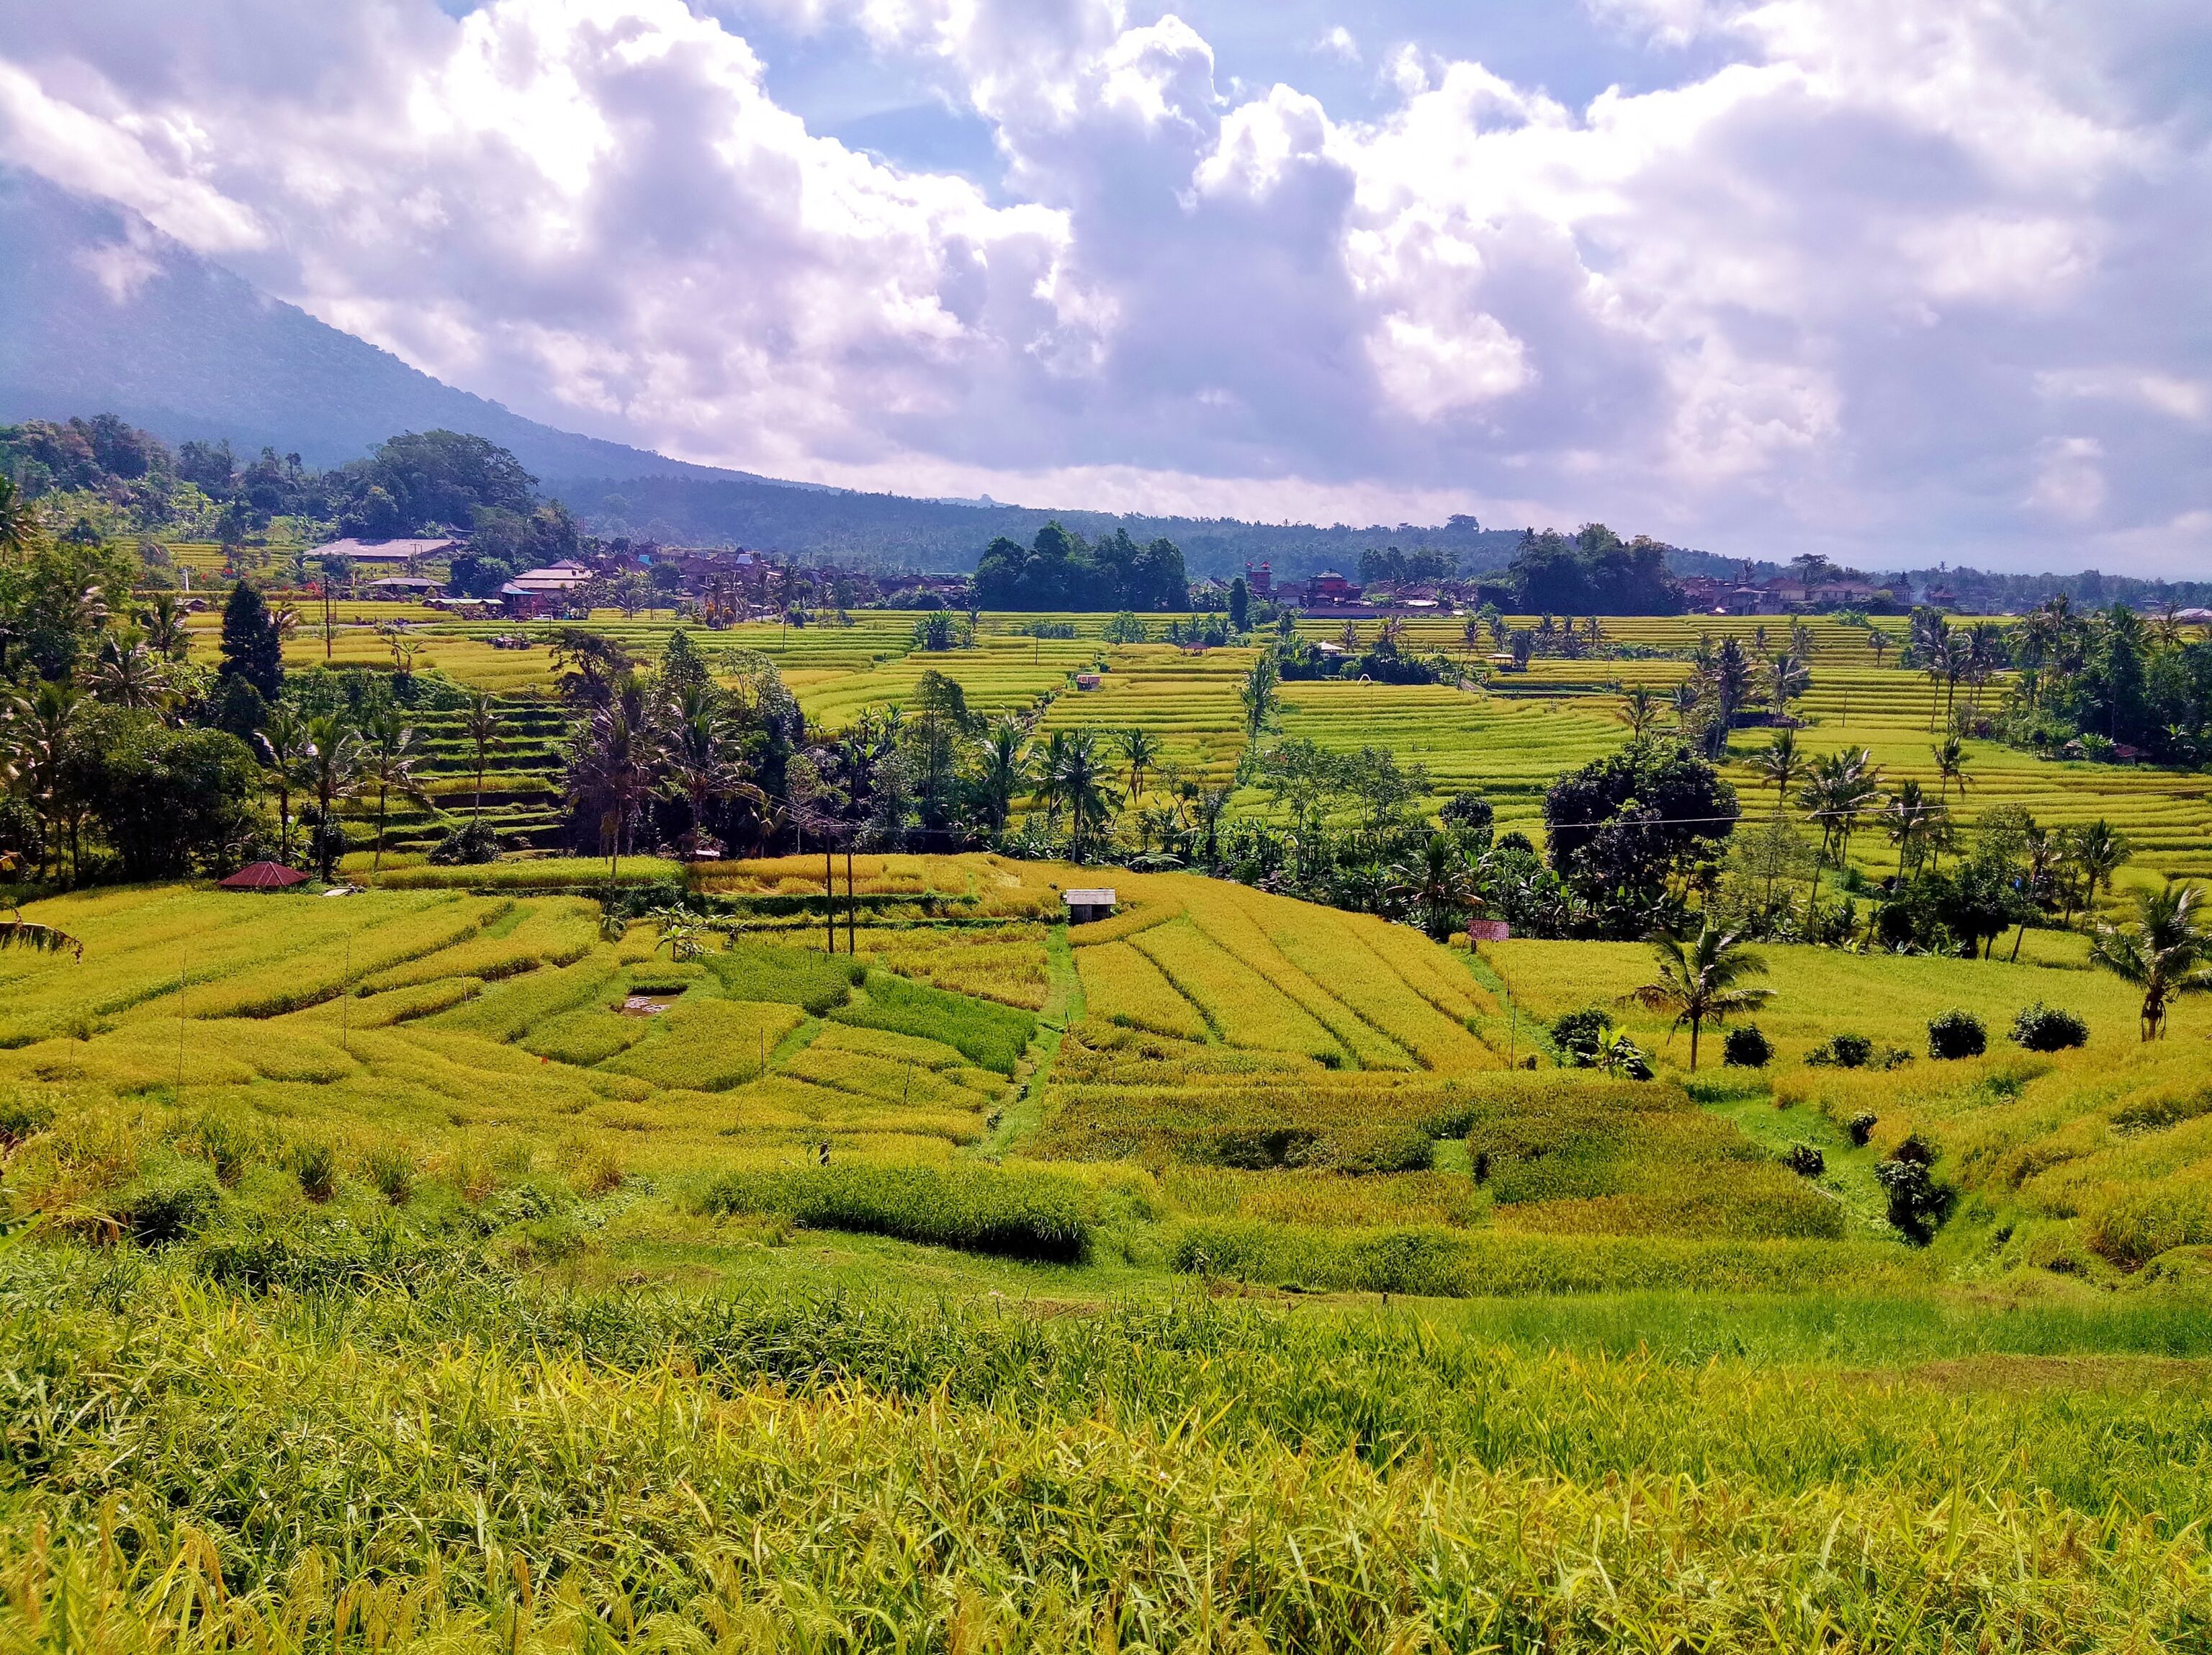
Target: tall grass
{"points": [[1018, 1215]]}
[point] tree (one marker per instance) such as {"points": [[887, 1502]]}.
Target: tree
{"points": [[171, 800], [128, 674], [1438, 890], [1258, 692], [700, 754], [1077, 780], [1240, 605], [284, 742], [389, 761], [252, 650], [1004, 772], [1913, 820], [1782, 762], [1951, 766], [1639, 710], [19, 522], [481, 726], [2096, 853], [334, 766], [1140, 751], [1630, 819], [2164, 953], [1699, 979], [1842, 787], [610, 767]]}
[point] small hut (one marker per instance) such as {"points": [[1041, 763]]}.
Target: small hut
{"points": [[1084, 907], [264, 877]]}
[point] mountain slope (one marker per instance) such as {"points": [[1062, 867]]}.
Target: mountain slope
{"points": [[102, 313]]}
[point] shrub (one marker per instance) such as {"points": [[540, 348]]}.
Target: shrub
{"points": [[1841, 1051], [1860, 1128], [470, 844], [2040, 1028], [1916, 1202], [1746, 1048], [1017, 1215], [316, 1166], [1956, 1035], [1805, 1160], [1578, 1034]]}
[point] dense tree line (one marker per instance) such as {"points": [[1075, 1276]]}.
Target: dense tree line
{"points": [[1060, 570]]}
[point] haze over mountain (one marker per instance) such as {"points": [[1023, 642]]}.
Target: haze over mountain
{"points": [[102, 313]]}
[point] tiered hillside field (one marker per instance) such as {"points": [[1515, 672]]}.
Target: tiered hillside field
{"points": [[1508, 738], [441, 1265]]}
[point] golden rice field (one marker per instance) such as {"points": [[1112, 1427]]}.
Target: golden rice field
{"points": [[437, 1266]]}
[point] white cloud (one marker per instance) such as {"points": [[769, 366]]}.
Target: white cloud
{"points": [[1833, 293], [2070, 478]]}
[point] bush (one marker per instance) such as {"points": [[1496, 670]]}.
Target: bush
{"points": [[1746, 1048], [1916, 1202], [1841, 1051], [2040, 1028], [1805, 1160], [1956, 1035], [1860, 1128], [468, 844], [1035, 1215], [1577, 1034]]}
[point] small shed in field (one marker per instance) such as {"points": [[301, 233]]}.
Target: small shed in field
{"points": [[1084, 907], [263, 876], [1086, 681]]}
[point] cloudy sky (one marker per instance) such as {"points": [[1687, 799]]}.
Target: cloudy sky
{"points": [[1893, 280]]}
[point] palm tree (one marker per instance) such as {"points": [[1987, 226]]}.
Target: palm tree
{"points": [[481, 725], [168, 632], [1878, 641], [21, 933], [1840, 789], [284, 742], [19, 521], [1140, 751], [2097, 852], [1078, 781], [1698, 977], [389, 760], [699, 753], [43, 735], [127, 674], [1438, 888], [611, 765], [2164, 953], [1004, 771], [1782, 762], [1951, 766], [1258, 692], [1639, 710], [1685, 701], [1914, 821], [1787, 678], [332, 756]]}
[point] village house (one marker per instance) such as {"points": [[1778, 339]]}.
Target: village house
{"points": [[553, 590]]}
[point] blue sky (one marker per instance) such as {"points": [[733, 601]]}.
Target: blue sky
{"points": [[1897, 281]]}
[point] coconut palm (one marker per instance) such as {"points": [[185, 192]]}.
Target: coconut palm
{"points": [[2096, 853], [284, 743], [331, 759], [1914, 821], [1004, 772], [389, 760], [481, 726], [1782, 762], [1258, 692], [611, 766], [1078, 781], [1639, 710], [1838, 790], [19, 521], [1879, 642], [167, 632], [1140, 751], [2164, 953], [1787, 678], [126, 674], [43, 729], [1951, 766], [701, 760], [1699, 979], [1438, 888]]}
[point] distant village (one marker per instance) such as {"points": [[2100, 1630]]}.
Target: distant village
{"points": [[721, 585]]}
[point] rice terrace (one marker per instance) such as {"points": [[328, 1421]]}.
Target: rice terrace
{"points": [[1197, 830]]}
